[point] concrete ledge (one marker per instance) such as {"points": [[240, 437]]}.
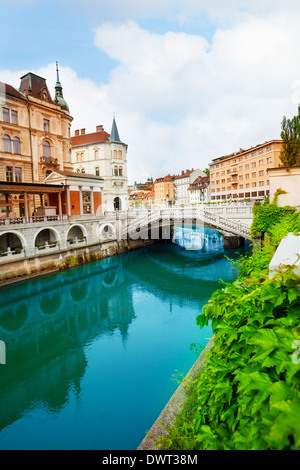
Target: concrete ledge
{"points": [[174, 405], [287, 253]]}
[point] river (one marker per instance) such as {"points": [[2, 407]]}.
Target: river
{"points": [[94, 353]]}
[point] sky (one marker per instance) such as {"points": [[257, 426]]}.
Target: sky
{"points": [[187, 81]]}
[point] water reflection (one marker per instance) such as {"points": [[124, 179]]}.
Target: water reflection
{"points": [[47, 323]]}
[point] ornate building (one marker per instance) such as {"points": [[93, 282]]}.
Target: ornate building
{"points": [[34, 135], [105, 155]]}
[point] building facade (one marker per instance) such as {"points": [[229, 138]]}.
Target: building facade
{"points": [[34, 135], [164, 191], [182, 183], [244, 174], [104, 155], [199, 190]]}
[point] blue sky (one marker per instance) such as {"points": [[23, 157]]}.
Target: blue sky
{"points": [[188, 81]]}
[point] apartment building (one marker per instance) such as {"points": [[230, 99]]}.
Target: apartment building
{"points": [[182, 183], [199, 190], [244, 174], [164, 191]]}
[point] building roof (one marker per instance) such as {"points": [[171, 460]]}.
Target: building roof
{"points": [[11, 91], [184, 174], [76, 174], [114, 135], [242, 151], [164, 178], [93, 138], [201, 182], [35, 86]]}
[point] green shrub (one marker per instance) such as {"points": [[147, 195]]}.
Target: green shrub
{"points": [[248, 396]]}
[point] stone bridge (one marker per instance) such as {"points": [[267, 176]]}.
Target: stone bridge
{"points": [[229, 220], [44, 235]]}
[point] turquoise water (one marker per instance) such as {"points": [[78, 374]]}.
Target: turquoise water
{"points": [[93, 353]]}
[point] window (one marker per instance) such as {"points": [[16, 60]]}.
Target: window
{"points": [[121, 172], [97, 171], [18, 174], [254, 174], [46, 151], [261, 151], [86, 202], [5, 114], [7, 143], [96, 154], [115, 171], [269, 160], [269, 148], [261, 173], [14, 117], [16, 145], [253, 164], [120, 154], [46, 125], [260, 162], [9, 173]]}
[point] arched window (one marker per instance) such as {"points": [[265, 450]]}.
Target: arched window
{"points": [[83, 170], [115, 171], [120, 154], [7, 143], [97, 171], [46, 151], [120, 171], [16, 145]]}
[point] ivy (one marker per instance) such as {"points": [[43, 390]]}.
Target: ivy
{"points": [[248, 395]]}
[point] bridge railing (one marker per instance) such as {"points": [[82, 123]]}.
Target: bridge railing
{"points": [[187, 214]]}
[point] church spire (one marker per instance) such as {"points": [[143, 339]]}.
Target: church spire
{"points": [[59, 97], [114, 135]]}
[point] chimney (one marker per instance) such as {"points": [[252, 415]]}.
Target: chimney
{"points": [[99, 128], [82, 131], [77, 132]]}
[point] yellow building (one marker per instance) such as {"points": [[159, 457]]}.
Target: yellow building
{"points": [[244, 174], [164, 191], [34, 132]]}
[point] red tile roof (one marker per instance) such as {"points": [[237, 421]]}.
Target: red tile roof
{"points": [[200, 183], [93, 138]]}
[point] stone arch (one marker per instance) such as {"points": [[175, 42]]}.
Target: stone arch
{"points": [[107, 231], [76, 231], [46, 234], [12, 239]]}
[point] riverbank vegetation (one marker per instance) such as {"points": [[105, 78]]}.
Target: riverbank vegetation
{"points": [[248, 395]]}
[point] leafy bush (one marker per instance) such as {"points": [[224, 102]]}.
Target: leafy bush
{"points": [[265, 217], [248, 396]]}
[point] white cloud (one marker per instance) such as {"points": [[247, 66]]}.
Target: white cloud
{"points": [[180, 101]]}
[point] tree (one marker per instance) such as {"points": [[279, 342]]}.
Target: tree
{"points": [[290, 135]]}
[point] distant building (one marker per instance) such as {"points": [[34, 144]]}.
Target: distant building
{"points": [[105, 155], [199, 190], [244, 174], [182, 183], [164, 191], [34, 138]]}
